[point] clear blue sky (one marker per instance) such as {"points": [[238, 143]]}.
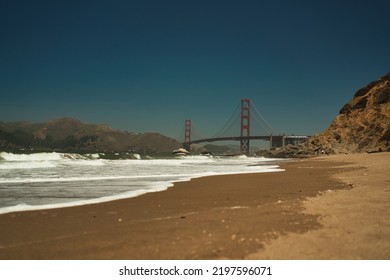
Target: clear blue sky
{"points": [[149, 65]]}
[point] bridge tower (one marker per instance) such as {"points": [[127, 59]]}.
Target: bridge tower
{"points": [[245, 126], [187, 135]]}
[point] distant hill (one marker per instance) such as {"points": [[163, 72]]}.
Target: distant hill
{"points": [[67, 134]]}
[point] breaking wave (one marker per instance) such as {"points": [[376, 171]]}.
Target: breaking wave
{"points": [[46, 160], [52, 180]]}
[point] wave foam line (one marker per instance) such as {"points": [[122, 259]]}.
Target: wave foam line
{"points": [[156, 187]]}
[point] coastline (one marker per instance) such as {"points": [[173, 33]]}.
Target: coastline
{"points": [[216, 217], [130, 178]]}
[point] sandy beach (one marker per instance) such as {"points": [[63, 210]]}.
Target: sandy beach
{"points": [[331, 207]]}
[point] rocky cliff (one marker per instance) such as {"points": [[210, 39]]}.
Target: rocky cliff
{"points": [[72, 135], [363, 124]]}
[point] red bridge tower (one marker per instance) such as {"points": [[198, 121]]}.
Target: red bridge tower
{"points": [[245, 126], [187, 135]]}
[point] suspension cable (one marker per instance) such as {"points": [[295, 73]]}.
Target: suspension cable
{"points": [[231, 125], [181, 134], [264, 121], [262, 125], [195, 133], [223, 129]]}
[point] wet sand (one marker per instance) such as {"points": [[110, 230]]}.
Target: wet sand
{"points": [[333, 207]]}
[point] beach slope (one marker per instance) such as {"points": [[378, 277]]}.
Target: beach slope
{"points": [[355, 222], [334, 207]]}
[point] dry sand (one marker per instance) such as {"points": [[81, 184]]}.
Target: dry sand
{"points": [[335, 207], [355, 221]]}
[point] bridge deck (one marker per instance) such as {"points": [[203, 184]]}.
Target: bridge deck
{"points": [[238, 138], [231, 138]]}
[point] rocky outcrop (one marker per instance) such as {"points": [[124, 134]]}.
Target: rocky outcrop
{"points": [[68, 134], [288, 151], [363, 124]]}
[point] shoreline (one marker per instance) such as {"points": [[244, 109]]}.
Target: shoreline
{"points": [[216, 217], [162, 186]]}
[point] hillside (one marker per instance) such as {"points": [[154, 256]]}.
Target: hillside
{"points": [[68, 134], [363, 124]]}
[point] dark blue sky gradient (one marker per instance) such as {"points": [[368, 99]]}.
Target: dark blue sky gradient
{"points": [[149, 65]]}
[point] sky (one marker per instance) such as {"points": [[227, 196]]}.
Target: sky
{"points": [[146, 66]]}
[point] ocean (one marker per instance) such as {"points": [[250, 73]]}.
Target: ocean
{"points": [[54, 180]]}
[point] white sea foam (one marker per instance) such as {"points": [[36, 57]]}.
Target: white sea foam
{"points": [[31, 157], [46, 160], [82, 179], [26, 207], [53, 156], [26, 165], [52, 180]]}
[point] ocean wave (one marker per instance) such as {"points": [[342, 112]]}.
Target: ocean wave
{"points": [[31, 157], [61, 178], [27, 207], [26, 165], [46, 160], [86, 179], [53, 156]]}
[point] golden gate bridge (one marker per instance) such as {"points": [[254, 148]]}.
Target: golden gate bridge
{"points": [[242, 126]]}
